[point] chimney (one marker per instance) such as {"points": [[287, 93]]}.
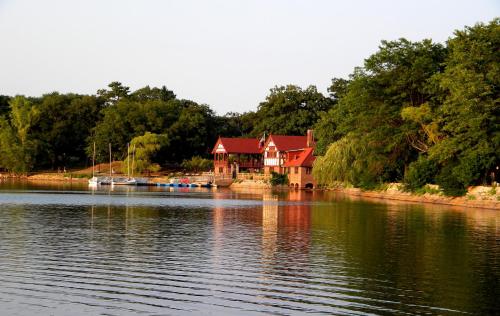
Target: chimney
{"points": [[310, 138]]}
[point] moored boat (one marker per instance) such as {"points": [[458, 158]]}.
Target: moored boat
{"points": [[123, 181], [94, 181]]}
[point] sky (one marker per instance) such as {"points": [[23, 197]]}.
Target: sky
{"points": [[224, 53]]}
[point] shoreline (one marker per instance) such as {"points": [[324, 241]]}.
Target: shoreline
{"points": [[56, 177], [462, 201], [469, 201]]}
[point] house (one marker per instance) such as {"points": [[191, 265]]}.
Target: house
{"points": [[234, 155], [279, 149], [299, 168], [291, 155], [276, 151]]}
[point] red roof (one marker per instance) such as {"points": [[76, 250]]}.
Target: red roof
{"points": [[238, 145], [305, 159], [285, 143]]}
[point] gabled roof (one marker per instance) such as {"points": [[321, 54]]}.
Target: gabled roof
{"points": [[305, 159], [238, 145], [284, 143]]}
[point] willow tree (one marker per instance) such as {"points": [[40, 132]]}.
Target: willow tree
{"points": [[342, 162], [17, 147], [143, 152]]}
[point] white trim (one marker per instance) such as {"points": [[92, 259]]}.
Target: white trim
{"points": [[220, 149]]}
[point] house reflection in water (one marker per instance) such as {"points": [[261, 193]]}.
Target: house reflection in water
{"points": [[278, 230], [285, 232], [269, 228]]}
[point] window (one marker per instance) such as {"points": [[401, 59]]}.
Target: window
{"points": [[308, 170], [221, 170], [296, 170], [271, 154]]}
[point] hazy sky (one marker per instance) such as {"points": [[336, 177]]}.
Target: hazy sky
{"points": [[227, 54]]}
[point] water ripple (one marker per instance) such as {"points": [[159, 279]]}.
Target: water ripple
{"points": [[175, 255]]}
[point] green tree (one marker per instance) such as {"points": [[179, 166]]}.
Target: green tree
{"points": [[469, 116], [343, 162], [194, 132], [146, 146], [4, 104], [370, 104], [290, 110], [65, 122], [18, 148], [325, 129], [117, 91], [12, 155], [147, 93]]}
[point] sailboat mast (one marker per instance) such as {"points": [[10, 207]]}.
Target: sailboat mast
{"points": [[110, 175], [133, 159], [93, 162], [128, 160]]}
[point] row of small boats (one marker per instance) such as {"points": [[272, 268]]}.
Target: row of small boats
{"points": [[94, 181], [186, 185]]}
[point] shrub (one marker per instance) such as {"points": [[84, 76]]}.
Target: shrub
{"points": [[449, 183], [493, 191], [471, 167], [427, 189], [80, 175], [420, 173], [279, 179], [471, 197], [197, 164]]}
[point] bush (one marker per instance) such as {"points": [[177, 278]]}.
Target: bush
{"points": [[80, 175], [420, 173], [449, 183], [197, 164], [279, 179], [427, 189], [471, 167]]}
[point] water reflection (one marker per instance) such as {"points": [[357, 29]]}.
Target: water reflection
{"points": [[283, 253]]}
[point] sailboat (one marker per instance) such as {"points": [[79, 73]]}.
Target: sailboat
{"points": [[129, 180], [108, 180], [94, 181]]}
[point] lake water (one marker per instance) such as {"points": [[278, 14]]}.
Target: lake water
{"points": [[65, 250]]}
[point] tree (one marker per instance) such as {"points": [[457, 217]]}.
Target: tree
{"points": [[469, 116], [12, 156], [369, 109], [235, 124], [146, 146], [325, 129], [194, 132], [343, 162], [23, 116], [147, 93], [116, 92], [4, 104], [17, 146], [290, 110], [65, 122], [338, 88]]}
